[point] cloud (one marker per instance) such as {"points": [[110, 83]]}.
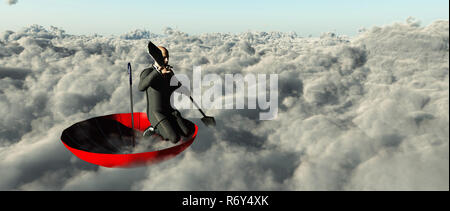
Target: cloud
{"points": [[363, 113], [11, 2]]}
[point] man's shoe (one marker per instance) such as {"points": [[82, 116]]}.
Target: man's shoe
{"points": [[149, 131]]}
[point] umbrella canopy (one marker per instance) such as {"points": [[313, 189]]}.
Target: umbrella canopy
{"points": [[103, 140]]}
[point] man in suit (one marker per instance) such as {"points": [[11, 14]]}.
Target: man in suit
{"points": [[166, 121]]}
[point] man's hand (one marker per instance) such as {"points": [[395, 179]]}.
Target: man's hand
{"points": [[166, 71]]}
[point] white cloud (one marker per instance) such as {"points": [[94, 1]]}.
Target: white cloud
{"points": [[368, 112], [11, 2]]}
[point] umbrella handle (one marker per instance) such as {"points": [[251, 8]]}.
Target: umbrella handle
{"points": [[131, 101]]}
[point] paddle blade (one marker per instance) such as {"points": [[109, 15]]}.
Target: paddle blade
{"points": [[209, 121], [155, 53]]}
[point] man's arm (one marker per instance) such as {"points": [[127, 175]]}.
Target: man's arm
{"points": [[147, 77]]}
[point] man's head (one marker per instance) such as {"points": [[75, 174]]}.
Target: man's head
{"points": [[165, 54]]}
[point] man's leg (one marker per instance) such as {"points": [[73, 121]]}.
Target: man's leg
{"points": [[186, 127], [167, 130]]}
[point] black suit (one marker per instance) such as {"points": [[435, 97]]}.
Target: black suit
{"points": [[168, 121]]}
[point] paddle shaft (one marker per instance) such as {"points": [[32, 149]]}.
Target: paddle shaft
{"points": [[190, 96], [199, 109]]}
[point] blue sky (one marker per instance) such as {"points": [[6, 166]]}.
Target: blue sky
{"points": [[197, 16]]}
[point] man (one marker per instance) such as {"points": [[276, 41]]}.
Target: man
{"points": [[166, 121]]}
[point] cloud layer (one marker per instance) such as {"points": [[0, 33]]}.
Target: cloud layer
{"points": [[363, 113]]}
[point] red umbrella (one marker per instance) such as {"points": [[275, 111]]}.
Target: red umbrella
{"points": [[99, 141]]}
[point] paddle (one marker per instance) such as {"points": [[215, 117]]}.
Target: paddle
{"points": [[207, 120], [157, 56]]}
